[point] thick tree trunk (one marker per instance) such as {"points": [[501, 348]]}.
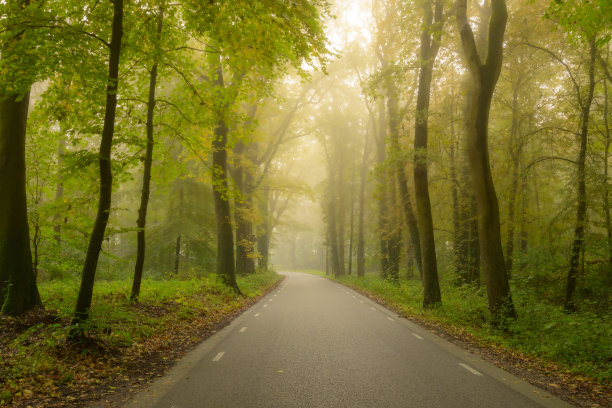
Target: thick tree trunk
{"points": [[225, 235], [430, 44], [83, 304], [146, 177], [484, 79], [577, 247], [18, 290]]}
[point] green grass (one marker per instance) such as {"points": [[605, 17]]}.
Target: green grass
{"points": [[36, 359], [580, 342]]}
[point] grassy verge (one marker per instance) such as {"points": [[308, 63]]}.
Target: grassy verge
{"points": [[580, 343], [126, 343]]}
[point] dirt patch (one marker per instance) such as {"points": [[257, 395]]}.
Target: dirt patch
{"points": [[577, 390]]}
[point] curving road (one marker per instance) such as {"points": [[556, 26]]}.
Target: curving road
{"points": [[314, 343]]}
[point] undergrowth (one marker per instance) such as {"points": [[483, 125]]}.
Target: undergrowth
{"points": [[36, 360]]}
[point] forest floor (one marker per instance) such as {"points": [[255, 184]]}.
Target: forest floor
{"points": [[127, 345], [567, 363]]}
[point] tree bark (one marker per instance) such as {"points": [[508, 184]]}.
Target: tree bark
{"points": [[484, 79], [146, 177], [18, 290], [430, 44], [225, 235], [352, 221], [577, 247], [83, 304]]}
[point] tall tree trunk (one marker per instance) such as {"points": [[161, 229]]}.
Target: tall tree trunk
{"points": [[430, 44], [361, 221], [146, 176], [83, 303], [581, 210], [18, 290], [484, 78], [225, 235]]}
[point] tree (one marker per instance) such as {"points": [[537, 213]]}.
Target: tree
{"points": [[484, 77], [430, 44], [148, 163], [18, 289], [83, 304]]}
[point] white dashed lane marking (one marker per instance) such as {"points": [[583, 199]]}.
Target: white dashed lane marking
{"points": [[265, 305], [218, 356], [361, 301], [256, 314], [417, 336], [470, 369], [373, 308], [390, 319], [243, 329]]}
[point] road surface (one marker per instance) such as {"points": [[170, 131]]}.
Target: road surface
{"points": [[314, 343]]}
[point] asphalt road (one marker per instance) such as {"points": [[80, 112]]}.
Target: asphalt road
{"points": [[314, 343]]}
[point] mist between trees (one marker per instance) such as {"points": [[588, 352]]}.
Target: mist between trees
{"points": [[456, 144]]}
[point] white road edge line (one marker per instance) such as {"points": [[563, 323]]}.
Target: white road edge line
{"points": [[417, 336], [256, 314], [470, 369], [218, 356], [243, 329]]}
